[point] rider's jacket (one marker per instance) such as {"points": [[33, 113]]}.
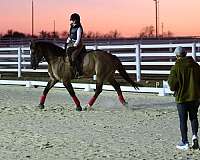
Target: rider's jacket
{"points": [[73, 31]]}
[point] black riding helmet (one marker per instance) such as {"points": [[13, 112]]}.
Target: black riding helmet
{"points": [[75, 17]]}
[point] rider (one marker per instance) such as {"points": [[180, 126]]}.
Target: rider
{"points": [[74, 43]]}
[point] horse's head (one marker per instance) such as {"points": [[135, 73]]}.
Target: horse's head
{"points": [[36, 54]]}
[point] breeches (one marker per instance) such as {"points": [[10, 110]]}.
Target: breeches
{"points": [[76, 52]]}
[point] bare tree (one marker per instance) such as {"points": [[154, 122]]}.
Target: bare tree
{"points": [[147, 32], [9, 33], [54, 34], [90, 34], [14, 34], [64, 34], [96, 35], [114, 34], [44, 34], [167, 34]]}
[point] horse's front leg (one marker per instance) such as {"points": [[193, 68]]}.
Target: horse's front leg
{"points": [[50, 84], [93, 99], [70, 89]]}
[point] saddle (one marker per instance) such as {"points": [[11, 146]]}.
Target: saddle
{"points": [[77, 65]]}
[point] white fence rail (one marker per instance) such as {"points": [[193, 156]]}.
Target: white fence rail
{"points": [[88, 87], [19, 57], [136, 57]]}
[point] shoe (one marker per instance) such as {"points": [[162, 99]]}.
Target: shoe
{"points": [[195, 143], [183, 146]]}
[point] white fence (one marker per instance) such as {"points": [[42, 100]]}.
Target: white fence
{"points": [[18, 60], [89, 87]]}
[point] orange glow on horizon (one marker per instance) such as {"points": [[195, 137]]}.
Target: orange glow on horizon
{"points": [[101, 16]]}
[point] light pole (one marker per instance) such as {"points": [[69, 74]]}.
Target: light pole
{"points": [[54, 28], [162, 28], [32, 14], [156, 7]]}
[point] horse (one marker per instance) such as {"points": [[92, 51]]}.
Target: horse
{"points": [[95, 62]]}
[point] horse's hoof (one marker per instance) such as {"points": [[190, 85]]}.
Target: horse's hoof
{"points": [[85, 108], [125, 104], [79, 108], [40, 106], [88, 108]]}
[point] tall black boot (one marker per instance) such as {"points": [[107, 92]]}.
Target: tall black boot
{"points": [[73, 64], [79, 69]]}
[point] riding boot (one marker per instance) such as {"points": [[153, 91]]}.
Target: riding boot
{"points": [[74, 66], [79, 69]]}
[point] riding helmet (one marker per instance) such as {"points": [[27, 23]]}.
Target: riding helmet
{"points": [[75, 17]]}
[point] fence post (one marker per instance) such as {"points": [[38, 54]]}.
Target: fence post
{"points": [[138, 70], [23, 58], [19, 62], [194, 51], [165, 86], [95, 48]]}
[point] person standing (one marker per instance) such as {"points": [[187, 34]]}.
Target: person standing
{"points": [[74, 43], [184, 80]]}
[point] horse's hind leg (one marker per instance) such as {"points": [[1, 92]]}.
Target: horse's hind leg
{"points": [[49, 85], [97, 92], [70, 89], [117, 88]]}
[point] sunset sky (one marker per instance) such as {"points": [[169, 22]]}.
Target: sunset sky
{"points": [[181, 17]]}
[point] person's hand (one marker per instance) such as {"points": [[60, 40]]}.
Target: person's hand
{"points": [[75, 45], [66, 44]]}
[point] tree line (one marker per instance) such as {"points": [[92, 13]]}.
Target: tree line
{"points": [[146, 32]]}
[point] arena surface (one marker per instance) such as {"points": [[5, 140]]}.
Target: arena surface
{"points": [[146, 130]]}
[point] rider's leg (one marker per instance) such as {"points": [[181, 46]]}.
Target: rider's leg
{"points": [[75, 62]]}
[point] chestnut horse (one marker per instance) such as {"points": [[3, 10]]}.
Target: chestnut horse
{"points": [[95, 62]]}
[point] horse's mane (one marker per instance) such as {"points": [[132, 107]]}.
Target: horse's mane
{"points": [[56, 50]]}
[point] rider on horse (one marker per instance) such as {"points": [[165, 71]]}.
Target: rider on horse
{"points": [[74, 44]]}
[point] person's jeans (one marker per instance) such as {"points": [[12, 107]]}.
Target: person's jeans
{"points": [[184, 109]]}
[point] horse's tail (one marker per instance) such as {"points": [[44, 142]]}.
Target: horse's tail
{"points": [[123, 72]]}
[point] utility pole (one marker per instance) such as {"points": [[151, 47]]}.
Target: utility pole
{"points": [[156, 8], [54, 28], [162, 29], [32, 33]]}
